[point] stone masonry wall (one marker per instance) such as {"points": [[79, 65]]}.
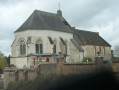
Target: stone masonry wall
{"points": [[78, 68], [47, 69], [13, 74], [89, 51]]}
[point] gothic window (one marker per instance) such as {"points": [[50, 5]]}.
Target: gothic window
{"points": [[22, 48], [103, 51], [39, 47], [100, 49], [94, 50]]}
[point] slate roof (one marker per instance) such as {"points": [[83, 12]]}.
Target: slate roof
{"points": [[40, 20], [90, 38]]}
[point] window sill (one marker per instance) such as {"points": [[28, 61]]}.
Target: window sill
{"points": [[22, 55]]}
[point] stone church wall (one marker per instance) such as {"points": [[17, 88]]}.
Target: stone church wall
{"points": [[43, 35], [74, 53], [107, 53], [19, 62], [89, 51], [30, 47]]}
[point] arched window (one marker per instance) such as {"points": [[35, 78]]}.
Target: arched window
{"points": [[100, 49], [95, 51], [22, 47], [103, 51], [39, 46]]}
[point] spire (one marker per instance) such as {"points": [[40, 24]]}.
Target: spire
{"points": [[59, 12]]}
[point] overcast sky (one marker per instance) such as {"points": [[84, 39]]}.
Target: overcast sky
{"points": [[93, 15]]}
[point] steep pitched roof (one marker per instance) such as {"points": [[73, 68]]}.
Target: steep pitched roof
{"points": [[40, 20], [90, 38]]}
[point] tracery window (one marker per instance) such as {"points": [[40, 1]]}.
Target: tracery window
{"points": [[100, 49], [39, 46], [22, 47], [103, 51], [94, 50]]}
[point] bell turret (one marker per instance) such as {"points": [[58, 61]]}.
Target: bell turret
{"points": [[59, 12]]}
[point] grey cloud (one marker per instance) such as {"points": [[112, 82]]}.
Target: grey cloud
{"points": [[82, 14], [94, 15], [11, 1]]}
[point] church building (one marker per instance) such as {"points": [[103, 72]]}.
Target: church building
{"points": [[44, 36]]}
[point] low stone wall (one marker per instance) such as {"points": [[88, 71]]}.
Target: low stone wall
{"points": [[78, 68], [11, 74], [47, 69]]}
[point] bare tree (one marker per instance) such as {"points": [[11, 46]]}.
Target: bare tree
{"points": [[116, 51]]}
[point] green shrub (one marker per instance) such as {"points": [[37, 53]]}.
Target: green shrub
{"points": [[87, 58]]}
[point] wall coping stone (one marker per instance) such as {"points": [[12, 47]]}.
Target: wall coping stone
{"points": [[82, 63]]}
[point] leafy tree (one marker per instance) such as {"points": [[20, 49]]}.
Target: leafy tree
{"points": [[3, 61]]}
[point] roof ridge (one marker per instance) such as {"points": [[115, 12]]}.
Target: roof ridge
{"points": [[87, 31], [45, 12]]}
